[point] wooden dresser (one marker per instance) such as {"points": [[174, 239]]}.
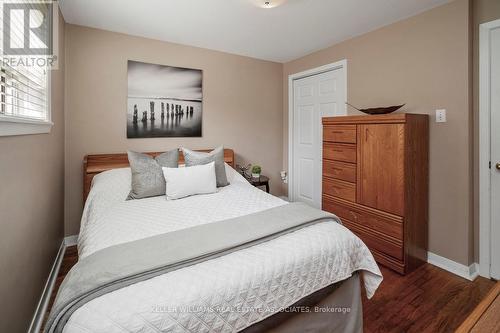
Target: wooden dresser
{"points": [[375, 178]]}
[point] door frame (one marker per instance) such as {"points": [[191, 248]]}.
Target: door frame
{"points": [[297, 76], [485, 148]]}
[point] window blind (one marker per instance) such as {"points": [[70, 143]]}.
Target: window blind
{"points": [[23, 89], [23, 92]]}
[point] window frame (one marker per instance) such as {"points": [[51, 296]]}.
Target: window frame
{"points": [[12, 125]]}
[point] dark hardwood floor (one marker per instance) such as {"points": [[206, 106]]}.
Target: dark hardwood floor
{"points": [[427, 300]]}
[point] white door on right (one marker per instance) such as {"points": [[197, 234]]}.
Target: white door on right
{"points": [[314, 97], [495, 151]]}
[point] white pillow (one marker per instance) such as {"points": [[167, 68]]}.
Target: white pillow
{"points": [[183, 182]]}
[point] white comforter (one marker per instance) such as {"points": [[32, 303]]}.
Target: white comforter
{"points": [[226, 294]]}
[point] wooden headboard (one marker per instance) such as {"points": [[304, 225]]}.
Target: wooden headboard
{"points": [[95, 164]]}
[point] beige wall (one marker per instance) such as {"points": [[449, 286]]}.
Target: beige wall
{"points": [[422, 61], [242, 106], [482, 11], [31, 211]]}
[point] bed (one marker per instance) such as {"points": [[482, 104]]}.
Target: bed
{"points": [[313, 272]]}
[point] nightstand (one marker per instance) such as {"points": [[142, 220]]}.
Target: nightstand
{"points": [[261, 181]]}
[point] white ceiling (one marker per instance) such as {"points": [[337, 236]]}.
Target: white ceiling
{"points": [[286, 32]]}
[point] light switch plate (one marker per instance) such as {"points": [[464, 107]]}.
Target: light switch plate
{"points": [[441, 116]]}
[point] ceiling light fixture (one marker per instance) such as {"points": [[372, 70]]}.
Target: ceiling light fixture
{"points": [[268, 4]]}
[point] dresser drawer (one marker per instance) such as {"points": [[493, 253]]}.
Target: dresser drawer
{"points": [[340, 133], [340, 170], [375, 240], [383, 223], [388, 261], [344, 152], [339, 188]]}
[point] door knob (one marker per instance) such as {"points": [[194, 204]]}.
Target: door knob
{"points": [[498, 166]]}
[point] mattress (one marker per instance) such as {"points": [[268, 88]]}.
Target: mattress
{"points": [[226, 294]]}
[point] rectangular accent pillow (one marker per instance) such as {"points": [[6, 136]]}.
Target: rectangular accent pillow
{"points": [[192, 158], [183, 182], [147, 176]]}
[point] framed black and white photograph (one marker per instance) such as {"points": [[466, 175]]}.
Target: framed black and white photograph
{"points": [[163, 101]]}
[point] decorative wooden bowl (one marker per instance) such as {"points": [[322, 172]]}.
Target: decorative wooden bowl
{"points": [[380, 110]]}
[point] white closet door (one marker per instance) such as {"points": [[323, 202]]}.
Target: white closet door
{"points": [[317, 96]]}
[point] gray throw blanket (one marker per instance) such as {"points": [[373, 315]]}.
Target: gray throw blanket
{"points": [[122, 265]]}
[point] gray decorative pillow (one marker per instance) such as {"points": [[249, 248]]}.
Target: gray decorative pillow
{"points": [[147, 175], [192, 158]]}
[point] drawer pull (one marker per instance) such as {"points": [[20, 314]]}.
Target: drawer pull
{"points": [[354, 215]]}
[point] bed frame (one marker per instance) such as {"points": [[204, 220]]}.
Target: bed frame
{"points": [[345, 293], [95, 164]]}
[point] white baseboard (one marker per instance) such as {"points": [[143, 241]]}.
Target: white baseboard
{"points": [[467, 272], [36, 322], [70, 240]]}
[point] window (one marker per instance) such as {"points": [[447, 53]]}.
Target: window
{"points": [[24, 100], [24, 85]]}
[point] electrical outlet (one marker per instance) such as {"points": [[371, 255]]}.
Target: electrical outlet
{"points": [[284, 176], [440, 116]]}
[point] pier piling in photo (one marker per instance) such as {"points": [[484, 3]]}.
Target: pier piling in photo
{"points": [[152, 108], [134, 120]]}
